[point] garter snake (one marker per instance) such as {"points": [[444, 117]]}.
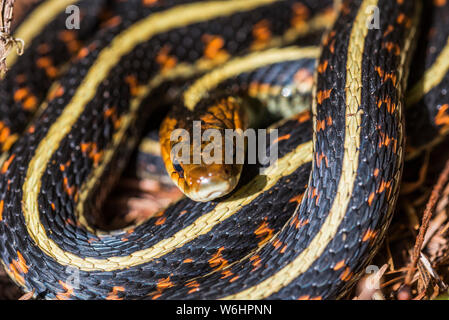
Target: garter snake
{"points": [[279, 235]]}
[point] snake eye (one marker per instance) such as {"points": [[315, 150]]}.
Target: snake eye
{"points": [[178, 169]]}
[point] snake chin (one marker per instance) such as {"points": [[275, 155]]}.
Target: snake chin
{"points": [[205, 184]]}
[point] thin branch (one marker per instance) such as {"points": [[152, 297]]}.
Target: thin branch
{"points": [[442, 180], [7, 42]]}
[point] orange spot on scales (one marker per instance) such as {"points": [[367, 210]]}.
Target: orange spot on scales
{"points": [[194, 285], [160, 221], [339, 265], [319, 159], [214, 47], [149, 2], [166, 61], [43, 48], [57, 92], [113, 22], [389, 30], [133, 83], [298, 223], [369, 235], [6, 138], [261, 34], [392, 47], [307, 297], [303, 117], [21, 78], [256, 261], [323, 95], [281, 138], [323, 66], [386, 140], [86, 50], [217, 261], [297, 198], [264, 232], [321, 124], [67, 293], [226, 274], [7, 163], [30, 103], [384, 186], [442, 117], [24, 95], [386, 76], [90, 149], [314, 193], [21, 93], [391, 107], [346, 275], [46, 63], [83, 53], [113, 295], [70, 40], [164, 283], [21, 263], [401, 18], [68, 189], [16, 274], [300, 15], [277, 244], [110, 113], [371, 198]]}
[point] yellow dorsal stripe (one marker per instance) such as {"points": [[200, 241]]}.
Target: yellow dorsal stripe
{"points": [[255, 60], [338, 210], [245, 64], [124, 43], [432, 77]]}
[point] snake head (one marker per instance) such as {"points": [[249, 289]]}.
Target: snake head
{"points": [[204, 167], [205, 180]]}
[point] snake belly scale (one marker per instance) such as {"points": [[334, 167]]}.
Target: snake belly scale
{"points": [[61, 161]]}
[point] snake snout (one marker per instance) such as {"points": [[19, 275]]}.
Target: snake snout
{"points": [[209, 182]]}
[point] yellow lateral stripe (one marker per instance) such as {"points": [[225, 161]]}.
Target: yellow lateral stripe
{"points": [[3, 157], [338, 210], [432, 77], [245, 64], [126, 121], [150, 146], [125, 42], [235, 66], [184, 70], [204, 224], [36, 22]]}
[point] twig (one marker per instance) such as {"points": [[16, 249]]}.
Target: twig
{"points": [[6, 40], [442, 180]]}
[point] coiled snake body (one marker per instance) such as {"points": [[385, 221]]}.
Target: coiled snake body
{"points": [[285, 234]]}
